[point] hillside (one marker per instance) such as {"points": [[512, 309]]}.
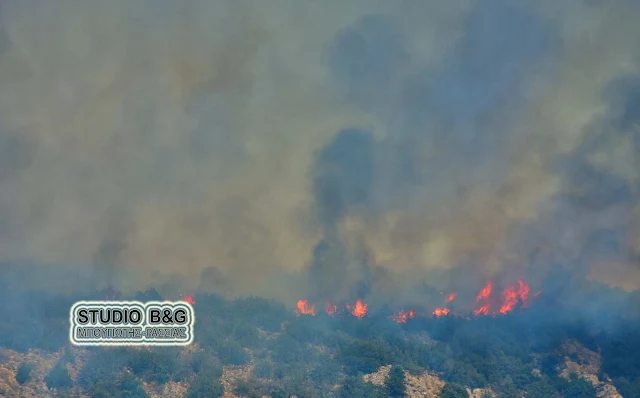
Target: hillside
{"points": [[253, 347], [237, 380], [360, 198]]}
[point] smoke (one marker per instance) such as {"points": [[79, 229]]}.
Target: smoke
{"points": [[332, 149], [342, 185]]}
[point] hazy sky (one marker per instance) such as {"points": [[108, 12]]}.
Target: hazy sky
{"points": [[142, 138]]}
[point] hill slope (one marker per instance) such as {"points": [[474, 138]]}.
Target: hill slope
{"points": [[253, 347]]}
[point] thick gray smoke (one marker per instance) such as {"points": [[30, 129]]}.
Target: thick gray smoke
{"points": [[335, 149]]}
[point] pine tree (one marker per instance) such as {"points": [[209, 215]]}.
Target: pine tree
{"points": [[395, 382]]}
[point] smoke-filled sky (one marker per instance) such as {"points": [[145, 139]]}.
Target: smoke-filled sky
{"points": [[226, 143]]}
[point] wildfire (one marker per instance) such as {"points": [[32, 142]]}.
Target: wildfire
{"points": [[484, 310], [189, 298], [489, 301], [360, 309], [330, 308], [523, 291], [402, 316], [485, 293], [484, 297], [527, 302], [440, 312], [512, 295], [305, 309]]}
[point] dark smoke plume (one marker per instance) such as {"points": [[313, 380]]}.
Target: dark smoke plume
{"points": [[328, 151]]}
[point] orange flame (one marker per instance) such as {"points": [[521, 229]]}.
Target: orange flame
{"points": [[485, 293], [484, 310], [486, 303], [360, 309], [523, 290], [510, 300], [330, 308], [304, 309], [189, 299], [529, 300], [402, 316], [440, 312], [511, 296]]}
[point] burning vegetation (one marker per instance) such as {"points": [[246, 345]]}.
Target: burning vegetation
{"points": [[258, 347], [188, 298], [488, 302], [359, 310], [305, 309]]}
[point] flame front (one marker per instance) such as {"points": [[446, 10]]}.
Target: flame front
{"points": [[484, 310], [523, 291], [402, 316], [330, 308], [489, 301], [189, 298], [485, 293], [512, 295], [483, 297], [305, 309], [360, 309], [510, 300], [440, 312], [526, 303]]}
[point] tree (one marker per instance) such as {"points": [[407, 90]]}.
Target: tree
{"points": [[365, 356], [201, 361], [155, 364], [263, 369], [324, 372], [131, 387], [453, 390], [626, 388], [23, 374], [246, 335], [355, 387], [205, 386], [231, 353], [579, 388], [102, 389], [395, 383], [59, 377], [103, 369]]}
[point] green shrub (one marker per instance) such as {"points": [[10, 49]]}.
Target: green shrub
{"points": [[246, 335], [131, 387], [325, 371], [453, 390], [395, 383], [23, 374], [157, 364], [104, 364], [59, 377], [365, 356], [205, 386], [355, 387], [263, 369], [231, 353]]}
